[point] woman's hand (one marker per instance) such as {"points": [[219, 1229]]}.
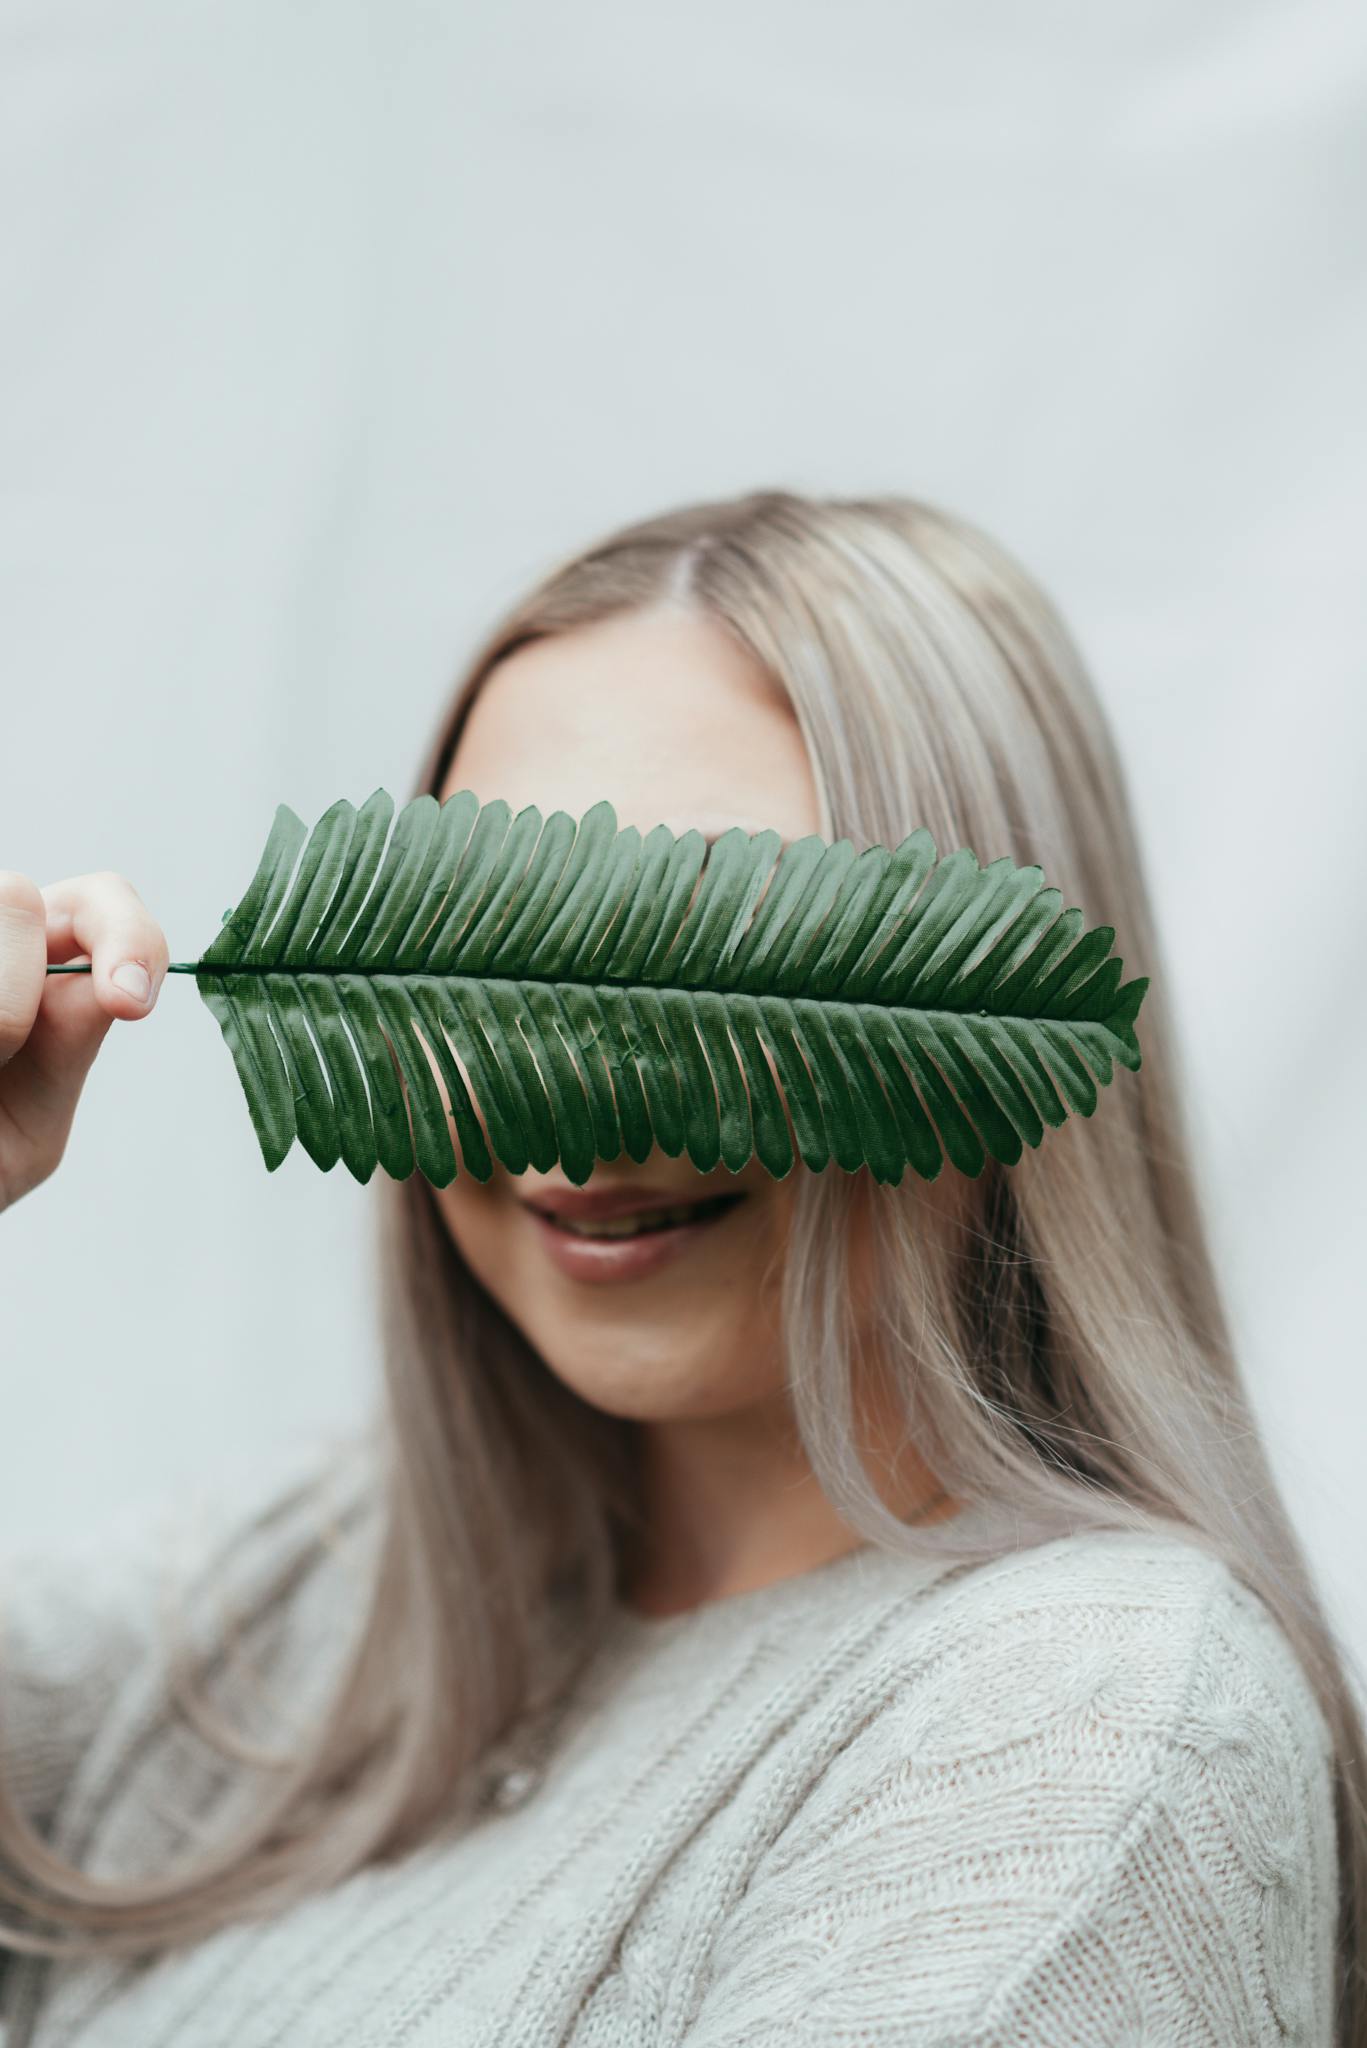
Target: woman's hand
{"points": [[52, 1025]]}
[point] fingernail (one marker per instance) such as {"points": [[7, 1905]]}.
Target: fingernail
{"points": [[132, 979]]}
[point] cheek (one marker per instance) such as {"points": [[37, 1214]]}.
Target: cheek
{"points": [[476, 1221]]}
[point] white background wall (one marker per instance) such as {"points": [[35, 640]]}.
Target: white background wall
{"points": [[327, 325]]}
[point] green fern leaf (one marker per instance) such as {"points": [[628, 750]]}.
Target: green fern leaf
{"points": [[608, 992]]}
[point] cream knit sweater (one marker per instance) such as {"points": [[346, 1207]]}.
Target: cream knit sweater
{"points": [[1077, 1794]]}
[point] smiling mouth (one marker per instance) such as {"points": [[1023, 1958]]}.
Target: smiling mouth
{"points": [[645, 1222]]}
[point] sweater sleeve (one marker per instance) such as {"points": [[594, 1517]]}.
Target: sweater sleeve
{"points": [[75, 1624], [1092, 1823], [79, 1625]]}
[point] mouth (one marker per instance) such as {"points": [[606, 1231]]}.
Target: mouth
{"points": [[642, 1222], [630, 1246]]}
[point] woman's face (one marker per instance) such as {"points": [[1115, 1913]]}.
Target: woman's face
{"points": [[674, 723]]}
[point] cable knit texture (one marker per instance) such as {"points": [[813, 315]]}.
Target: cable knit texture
{"points": [[1078, 1794]]}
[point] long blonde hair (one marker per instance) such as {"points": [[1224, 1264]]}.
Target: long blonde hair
{"points": [[1067, 1356]]}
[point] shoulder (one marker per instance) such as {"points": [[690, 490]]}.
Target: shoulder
{"points": [[217, 1556], [1106, 1595], [1141, 1655], [86, 1629], [278, 1567], [1086, 1776], [1155, 1621]]}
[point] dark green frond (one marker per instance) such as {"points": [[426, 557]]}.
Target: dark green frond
{"points": [[580, 992]]}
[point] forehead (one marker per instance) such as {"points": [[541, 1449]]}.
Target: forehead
{"points": [[662, 713]]}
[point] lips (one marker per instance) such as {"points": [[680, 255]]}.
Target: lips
{"points": [[641, 1222], [601, 1205], [599, 1260]]}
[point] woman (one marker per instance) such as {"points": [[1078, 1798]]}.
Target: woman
{"points": [[854, 1613]]}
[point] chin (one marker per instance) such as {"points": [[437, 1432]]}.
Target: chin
{"points": [[646, 1377]]}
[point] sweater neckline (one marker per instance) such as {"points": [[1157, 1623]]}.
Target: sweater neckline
{"points": [[865, 1567]]}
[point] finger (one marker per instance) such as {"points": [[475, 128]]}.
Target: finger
{"points": [[102, 915], [50, 1029], [23, 959]]}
